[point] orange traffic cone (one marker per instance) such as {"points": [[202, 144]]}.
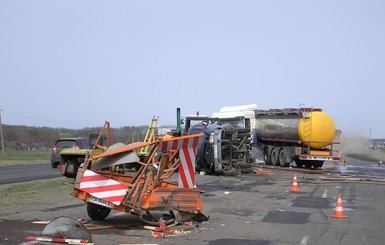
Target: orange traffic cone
{"points": [[339, 214], [294, 187]]}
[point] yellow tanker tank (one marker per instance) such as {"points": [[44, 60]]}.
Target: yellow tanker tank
{"points": [[318, 128]]}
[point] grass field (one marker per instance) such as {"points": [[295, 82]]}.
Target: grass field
{"points": [[17, 157], [30, 196]]}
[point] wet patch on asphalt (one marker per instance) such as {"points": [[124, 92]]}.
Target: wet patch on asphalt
{"points": [[231, 241], [286, 217], [311, 202], [232, 186], [277, 197], [11, 230], [233, 211]]}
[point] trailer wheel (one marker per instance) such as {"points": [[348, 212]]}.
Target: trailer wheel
{"points": [[308, 164], [274, 156], [97, 212], [232, 172], [299, 163], [246, 170], [266, 156], [318, 164], [282, 158], [246, 167]]}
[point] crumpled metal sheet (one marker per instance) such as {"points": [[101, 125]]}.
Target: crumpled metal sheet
{"points": [[117, 159]]}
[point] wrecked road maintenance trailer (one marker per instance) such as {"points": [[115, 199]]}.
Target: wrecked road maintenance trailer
{"points": [[105, 184]]}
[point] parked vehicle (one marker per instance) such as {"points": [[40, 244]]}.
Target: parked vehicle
{"points": [[67, 143], [72, 158]]}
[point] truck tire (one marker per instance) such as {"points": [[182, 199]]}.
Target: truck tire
{"points": [[97, 212], [308, 164], [243, 132], [246, 170], [54, 164], [266, 156], [230, 131], [318, 164], [282, 158], [274, 156], [230, 173], [246, 167]]}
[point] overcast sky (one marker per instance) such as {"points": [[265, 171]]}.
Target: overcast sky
{"points": [[76, 64]]}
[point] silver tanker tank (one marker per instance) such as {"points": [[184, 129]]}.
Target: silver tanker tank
{"points": [[306, 125]]}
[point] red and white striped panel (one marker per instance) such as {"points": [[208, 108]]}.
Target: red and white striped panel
{"points": [[187, 152], [102, 187], [187, 167], [178, 142]]}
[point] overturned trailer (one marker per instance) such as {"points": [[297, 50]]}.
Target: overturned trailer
{"points": [[105, 183]]}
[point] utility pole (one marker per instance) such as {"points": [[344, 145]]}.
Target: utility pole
{"points": [[1, 134]]}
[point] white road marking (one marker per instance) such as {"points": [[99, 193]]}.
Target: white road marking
{"points": [[325, 195], [304, 240]]}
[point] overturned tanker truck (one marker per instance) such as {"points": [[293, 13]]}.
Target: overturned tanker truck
{"points": [[305, 136]]}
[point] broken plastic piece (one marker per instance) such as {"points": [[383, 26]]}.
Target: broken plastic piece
{"points": [[64, 227]]}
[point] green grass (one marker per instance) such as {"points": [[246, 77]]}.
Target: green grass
{"points": [[32, 192], [31, 187], [16, 157]]}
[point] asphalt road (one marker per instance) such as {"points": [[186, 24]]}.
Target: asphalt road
{"points": [[23, 173], [247, 209]]}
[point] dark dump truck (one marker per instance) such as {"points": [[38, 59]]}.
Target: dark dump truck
{"points": [[72, 159]]}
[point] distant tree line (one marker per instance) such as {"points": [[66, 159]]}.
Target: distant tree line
{"points": [[41, 138]]}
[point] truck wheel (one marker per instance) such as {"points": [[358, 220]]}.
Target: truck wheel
{"points": [[232, 172], [274, 156], [246, 170], [308, 164], [282, 158], [266, 156], [97, 212], [318, 164], [245, 165], [299, 163]]}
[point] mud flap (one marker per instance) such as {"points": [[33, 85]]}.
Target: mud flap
{"points": [[64, 227]]}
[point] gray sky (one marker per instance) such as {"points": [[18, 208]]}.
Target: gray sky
{"points": [[76, 64]]}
